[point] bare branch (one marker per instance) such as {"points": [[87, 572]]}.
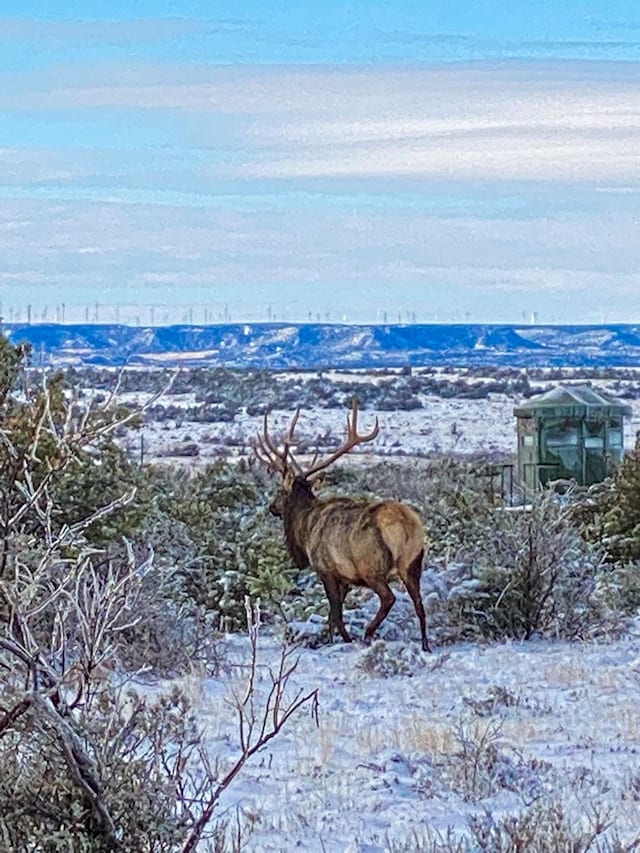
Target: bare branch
{"points": [[275, 714], [82, 769]]}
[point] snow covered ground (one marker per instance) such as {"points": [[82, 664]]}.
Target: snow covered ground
{"points": [[409, 746], [399, 759], [445, 425], [485, 426]]}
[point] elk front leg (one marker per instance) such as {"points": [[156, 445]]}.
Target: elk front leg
{"points": [[387, 598], [336, 592]]}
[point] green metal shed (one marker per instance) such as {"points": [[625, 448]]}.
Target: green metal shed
{"points": [[573, 432]]}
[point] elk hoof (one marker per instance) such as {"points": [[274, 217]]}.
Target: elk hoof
{"points": [[426, 647]]}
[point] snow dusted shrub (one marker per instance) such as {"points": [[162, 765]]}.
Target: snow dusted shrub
{"points": [[85, 763], [530, 573], [89, 764], [383, 660], [103, 778], [65, 607], [543, 828], [475, 765], [609, 515], [620, 587], [611, 511], [455, 505], [230, 547]]}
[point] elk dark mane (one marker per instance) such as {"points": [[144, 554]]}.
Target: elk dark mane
{"points": [[300, 498]]}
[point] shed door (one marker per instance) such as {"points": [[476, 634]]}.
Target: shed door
{"points": [[560, 450], [595, 467]]}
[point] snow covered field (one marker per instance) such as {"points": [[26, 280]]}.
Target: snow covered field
{"points": [[411, 748], [399, 759], [462, 426]]}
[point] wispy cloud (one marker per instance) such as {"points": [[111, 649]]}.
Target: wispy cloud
{"points": [[357, 260], [569, 123], [106, 32], [481, 189]]}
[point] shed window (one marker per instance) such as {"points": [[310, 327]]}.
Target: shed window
{"points": [[561, 453], [615, 438], [561, 435]]}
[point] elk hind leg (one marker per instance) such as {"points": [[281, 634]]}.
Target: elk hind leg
{"points": [[336, 593], [412, 582], [387, 598]]}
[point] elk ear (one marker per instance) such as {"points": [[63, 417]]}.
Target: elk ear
{"points": [[317, 483], [287, 480]]}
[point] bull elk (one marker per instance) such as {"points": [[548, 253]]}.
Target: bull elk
{"points": [[348, 542]]}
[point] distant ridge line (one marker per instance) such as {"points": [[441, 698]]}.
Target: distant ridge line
{"points": [[313, 346]]}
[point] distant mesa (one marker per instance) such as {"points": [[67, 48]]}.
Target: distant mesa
{"points": [[314, 346]]}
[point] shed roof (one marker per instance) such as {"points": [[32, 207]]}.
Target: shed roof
{"points": [[572, 400]]}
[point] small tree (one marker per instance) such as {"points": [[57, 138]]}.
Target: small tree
{"points": [[232, 548], [531, 573], [616, 516]]}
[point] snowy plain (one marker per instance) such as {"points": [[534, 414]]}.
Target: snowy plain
{"points": [[408, 747], [484, 426], [402, 761]]}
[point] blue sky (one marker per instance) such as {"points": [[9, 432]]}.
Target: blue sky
{"points": [[354, 161]]}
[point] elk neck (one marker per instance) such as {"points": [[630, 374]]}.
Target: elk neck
{"points": [[300, 497], [297, 503]]}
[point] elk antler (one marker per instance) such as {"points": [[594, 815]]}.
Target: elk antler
{"points": [[352, 440], [268, 452], [283, 460]]}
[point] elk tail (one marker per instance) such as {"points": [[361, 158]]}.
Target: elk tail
{"points": [[402, 533]]}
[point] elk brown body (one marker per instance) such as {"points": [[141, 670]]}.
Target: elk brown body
{"points": [[348, 542]]}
